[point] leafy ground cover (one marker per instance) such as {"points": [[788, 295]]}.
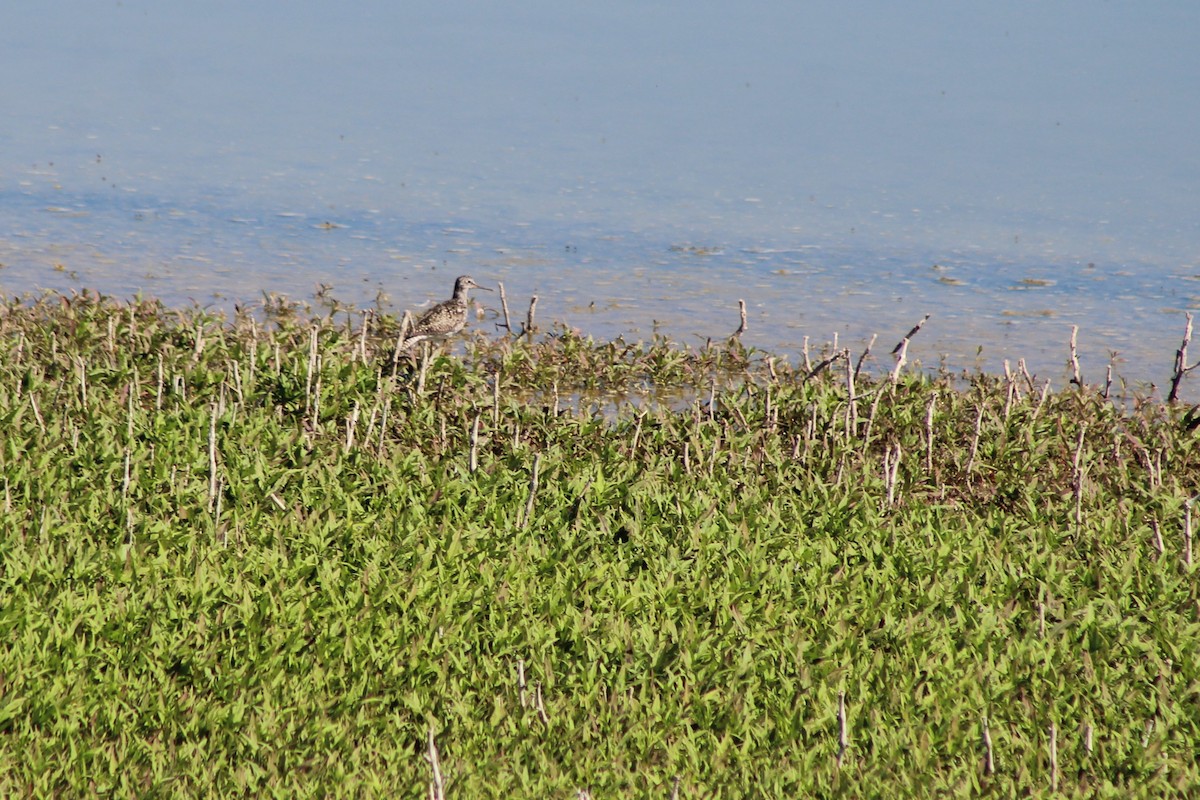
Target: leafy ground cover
{"points": [[263, 555]]}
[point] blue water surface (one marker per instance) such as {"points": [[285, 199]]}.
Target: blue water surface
{"points": [[1016, 169]]}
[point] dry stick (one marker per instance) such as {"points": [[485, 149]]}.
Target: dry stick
{"points": [[975, 438], [1025, 374], [929, 432], [843, 732], [496, 398], [504, 307], [1087, 737], [424, 368], [1075, 376], [851, 400], [212, 456], [541, 707], [891, 467], [742, 312], [387, 405], [529, 326], [1158, 541], [812, 373], [521, 682], [533, 487], [1053, 757], [237, 381], [1010, 393], [989, 764], [362, 339], [473, 461], [158, 395], [37, 413], [1187, 530], [1107, 381], [405, 327], [675, 789], [807, 363], [1181, 365], [436, 789], [82, 382], [862, 358], [351, 425], [1041, 400], [900, 351], [637, 431], [1078, 477]]}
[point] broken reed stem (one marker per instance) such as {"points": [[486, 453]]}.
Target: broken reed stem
{"points": [[843, 731], [1181, 366], [504, 307], [1053, 757], [533, 487], [891, 468], [858, 365], [1076, 378], [521, 682], [361, 350], [1158, 541], [540, 704], [929, 432], [351, 425], [1187, 530], [901, 360], [424, 368], [529, 320], [473, 461], [989, 764], [742, 313], [405, 327], [900, 351], [437, 790], [975, 438], [212, 455]]}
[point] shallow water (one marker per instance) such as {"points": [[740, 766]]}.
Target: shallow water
{"points": [[845, 169]]}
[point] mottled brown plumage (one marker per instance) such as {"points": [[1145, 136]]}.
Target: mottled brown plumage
{"points": [[446, 318]]}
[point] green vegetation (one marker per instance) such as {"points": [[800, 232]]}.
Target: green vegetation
{"points": [[252, 556]]}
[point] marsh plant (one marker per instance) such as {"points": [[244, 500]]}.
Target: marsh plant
{"points": [[266, 554]]}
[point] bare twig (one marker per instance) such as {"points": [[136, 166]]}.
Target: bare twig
{"points": [[1053, 757], [529, 324], [989, 764], [900, 351], [533, 487], [929, 432], [858, 365], [910, 334], [473, 461], [742, 312], [812, 373], [504, 307], [1076, 378], [436, 789], [1181, 366], [843, 731]]}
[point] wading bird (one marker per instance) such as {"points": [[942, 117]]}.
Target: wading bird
{"points": [[446, 318]]}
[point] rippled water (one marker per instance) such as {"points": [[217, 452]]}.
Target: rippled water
{"points": [[843, 168]]}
